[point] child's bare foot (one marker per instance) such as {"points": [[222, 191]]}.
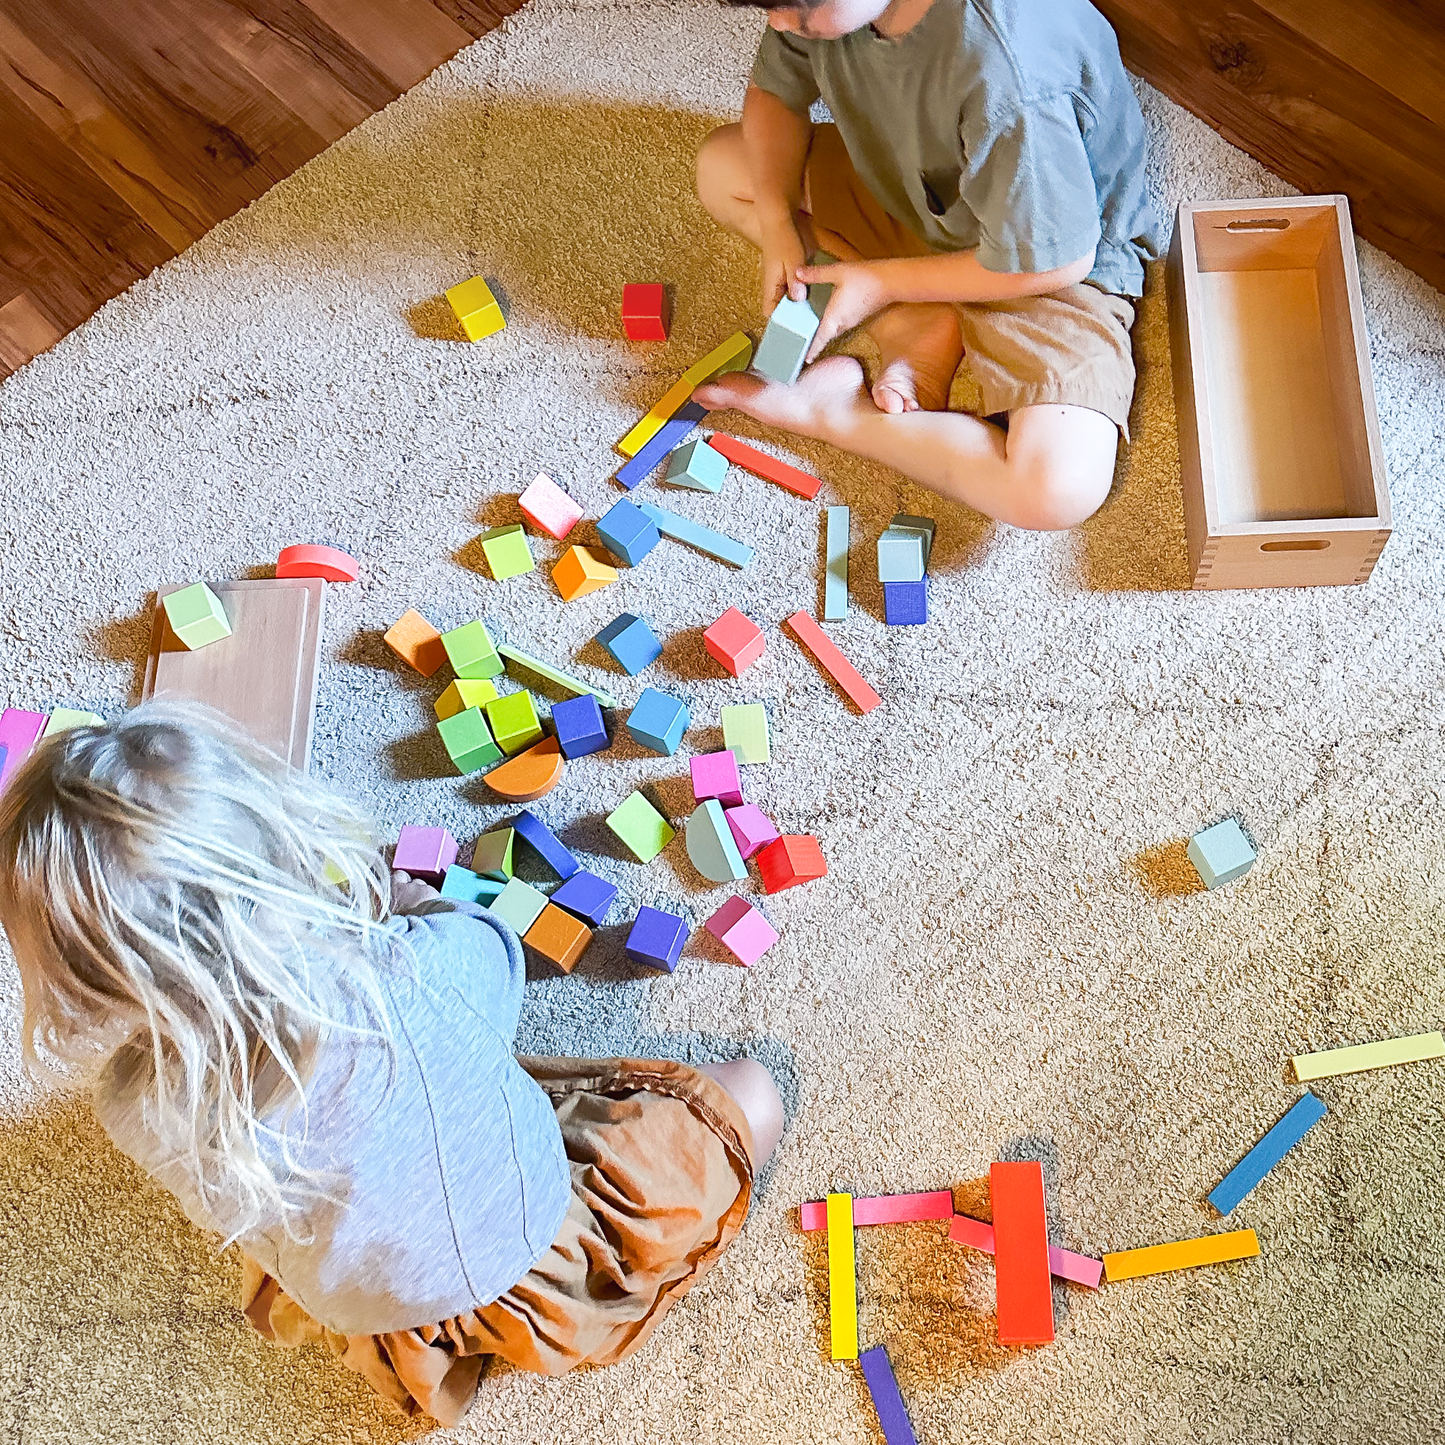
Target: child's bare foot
{"points": [[919, 350], [824, 402]]}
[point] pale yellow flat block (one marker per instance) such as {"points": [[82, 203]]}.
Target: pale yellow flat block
{"points": [[733, 355], [464, 693], [1357, 1059], [842, 1278], [1186, 1254]]}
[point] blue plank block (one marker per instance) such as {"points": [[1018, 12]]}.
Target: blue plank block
{"points": [[631, 642], [715, 544], [669, 435], [658, 721], [656, 939], [905, 604], [543, 841], [579, 726], [887, 1400], [586, 895], [627, 532], [1247, 1174]]}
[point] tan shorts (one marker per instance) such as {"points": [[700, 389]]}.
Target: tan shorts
{"points": [[1071, 347], [662, 1173]]}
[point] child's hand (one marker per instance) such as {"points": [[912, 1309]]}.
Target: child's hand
{"points": [[859, 291], [408, 893], [783, 257]]}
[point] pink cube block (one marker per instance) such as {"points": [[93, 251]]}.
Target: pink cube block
{"points": [[424, 852], [752, 828], [715, 775], [735, 641], [548, 508], [18, 731], [741, 929]]}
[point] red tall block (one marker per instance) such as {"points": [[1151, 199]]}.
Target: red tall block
{"points": [[645, 312], [735, 641], [1021, 1254], [792, 859]]}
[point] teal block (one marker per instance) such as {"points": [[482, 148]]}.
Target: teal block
{"points": [[784, 347], [715, 544], [698, 466], [470, 887], [1221, 853], [900, 557], [711, 845]]}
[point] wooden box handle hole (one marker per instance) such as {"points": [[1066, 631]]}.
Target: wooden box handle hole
{"points": [[1264, 223], [1317, 545]]}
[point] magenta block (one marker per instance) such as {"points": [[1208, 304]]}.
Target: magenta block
{"points": [[752, 828], [741, 929], [715, 775], [18, 731], [424, 852]]}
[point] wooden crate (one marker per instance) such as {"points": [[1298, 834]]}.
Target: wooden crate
{"points": [[1279, 443]]}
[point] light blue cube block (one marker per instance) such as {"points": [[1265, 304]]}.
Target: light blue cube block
{"points": [[697, 465], [924, 526], [658, 721], [1221, 853], [786, 340], [471, 887], [900, 557], [631, 642], [627, 533]]}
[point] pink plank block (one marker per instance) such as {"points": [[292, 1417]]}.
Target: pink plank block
{"points": [[18, 732], [885, 1209], [1064, 1264], [860, 694]]}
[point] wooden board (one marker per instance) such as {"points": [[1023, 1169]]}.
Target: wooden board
{"points": [[263, 677]]}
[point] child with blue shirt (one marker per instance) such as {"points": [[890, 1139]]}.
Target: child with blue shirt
{"points": [[315, 1057], [983, 187]]}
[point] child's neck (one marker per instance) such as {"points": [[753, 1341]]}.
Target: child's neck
{"points": [[900, 17]]}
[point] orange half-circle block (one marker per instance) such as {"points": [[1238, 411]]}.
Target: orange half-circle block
{"points": [[530, 775], [581, 571], [310, 561]]}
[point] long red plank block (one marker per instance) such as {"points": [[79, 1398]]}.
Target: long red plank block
{"points": [[1021, 1254], [1077, 1268], [884, 1209], [833, 662], [804, 484]]}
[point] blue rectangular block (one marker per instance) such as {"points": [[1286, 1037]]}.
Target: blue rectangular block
{"points": [[715, 544], [887, 1399], [656, 939], [905, 604], [658, 721], [471, 887], [669, 435], [786, 339], [631, 642], [586, 895], [579, 726], [1247, 1174], [553, 852], [627, 532]]}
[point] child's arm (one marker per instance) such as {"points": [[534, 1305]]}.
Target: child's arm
{"points": [[776, 139]]}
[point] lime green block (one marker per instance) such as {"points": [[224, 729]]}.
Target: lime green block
{"points": [[465, 692], [468, 740], [745, 731], [470, 651], [196, 615], [514, 721], [492, 856], [65, 718], [507, 552], [527, 663], [641, 827], [520, 904]]}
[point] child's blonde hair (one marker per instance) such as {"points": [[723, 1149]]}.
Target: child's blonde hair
{"points": [[164, 879]]}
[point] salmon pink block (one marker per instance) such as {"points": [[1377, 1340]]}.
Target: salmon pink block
{"points": [[18, 731], [1063, 1263], [790, 860], [307, 561], [715, 775], [424, 852], [548, 508], [735, 641], [742, 930], [752, 828]]}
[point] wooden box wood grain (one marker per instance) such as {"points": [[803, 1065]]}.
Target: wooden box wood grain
{"points": [[1279, 442]]}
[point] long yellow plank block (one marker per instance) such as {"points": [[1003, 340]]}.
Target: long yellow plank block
{"points": [[842, 1278], [733, 355], [1360, 1057], [1186, 1254]]}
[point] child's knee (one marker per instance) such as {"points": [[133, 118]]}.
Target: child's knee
{"points": [[721, 165], [1056, 493]]}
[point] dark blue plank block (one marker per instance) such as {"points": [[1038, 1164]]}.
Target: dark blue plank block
{"points": [[892, 1416], [553, 851], [1250, 1170], [668, 437]]}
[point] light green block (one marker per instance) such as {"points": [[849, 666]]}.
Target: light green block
{"points": [[468, 740], [745, 731], [492, 856], [464, 884], [196, 615], [470, 651], [507, 552], [645, 831], [465, 692], [514, 722], [520, 904], [65, 718], [528, 663]]}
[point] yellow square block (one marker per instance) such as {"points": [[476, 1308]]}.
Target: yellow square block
{"points": [[465, 692], [580, 572], [476, 308]]}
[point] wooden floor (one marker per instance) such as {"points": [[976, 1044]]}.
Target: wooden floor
{"points": [[128, 128]]}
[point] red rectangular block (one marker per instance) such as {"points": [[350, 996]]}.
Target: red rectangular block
{"points": [[804, 484], [1021, 1254], [885, 1209], [833, 662]]}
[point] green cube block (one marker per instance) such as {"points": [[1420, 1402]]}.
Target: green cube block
{"points": [[492, 856], [196, 615], [507, 552], [645, 831], [745, 731], [470, 651], [520, 904], [468, 740], [514, 721]]}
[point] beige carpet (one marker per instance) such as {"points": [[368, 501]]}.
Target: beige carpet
{"points": [[1000, 963]]}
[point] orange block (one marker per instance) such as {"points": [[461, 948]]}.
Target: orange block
{"points": [[530, 775], [581, 571], [557, 938], [1021, 1254], [416, 641]]}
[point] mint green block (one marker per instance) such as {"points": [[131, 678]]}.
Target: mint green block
{"points": [[65, 718], [507, 552], [470, 651], [196, 615], [698, 466], [745, 731], [527, 663], [520, 904], [514, 722], [468, 740], [641, 827]]}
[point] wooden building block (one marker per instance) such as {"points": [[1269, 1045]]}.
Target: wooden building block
{"points": [[630, 642], [786, 339], [742, 930], [751, 828], [264, 679], [696, 465], [331, 564], [745, 731], [734, 641], [580, 571], [546, 844], [715, 544], [835, 575], [1021, 1254], [1184, 1254], [656, 939], [580, 726], [905, 604], [1063, 1264], [715, 775], [19, 732], [507, 552], [900, 557], [416, 642], [514, 722], [548, 508], [842, 1278], [789, 860], [792, 479], [641, 827], [658, 721], [1221, 853], [627, 532], [518, 662], [196, 615], [471, 652], [492, 854], [925, 527], [586, 895], [470, 887], [886, 1209], [476, 308], [530, 775], [425, 853], [465, 692], [1250, 1171], [832, 661], [66, 719], [646, 312], [711, 846], [1359, 1057], [887, 1398], [557, 937], [519, 904], [732, 355], [668, 437], [468, 740]]}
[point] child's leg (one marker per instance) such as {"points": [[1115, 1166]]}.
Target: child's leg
{"points": [[754, 1092]]}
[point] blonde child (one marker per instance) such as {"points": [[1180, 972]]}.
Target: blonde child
{"points": [[315, 1057]]}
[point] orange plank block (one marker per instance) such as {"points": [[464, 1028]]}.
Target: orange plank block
{"points": [[833, 662], [530, 775], [802, 484], [1021, 1254]]}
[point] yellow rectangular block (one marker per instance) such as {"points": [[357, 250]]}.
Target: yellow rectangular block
{"points": [[1186, 1254], [733, 355], [476, 308], [1357, 1059], [842, 1278]]}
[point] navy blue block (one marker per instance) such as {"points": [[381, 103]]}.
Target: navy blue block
{"points": [[579, 726], [632, 643], [1247, 1174], [656, 939], [892, 1413], [554, 853], [669, 436], [586, 895], [905, 604], [628, 532]]}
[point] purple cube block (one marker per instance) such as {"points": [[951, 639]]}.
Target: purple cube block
{"points": [[424, 852], [656, 939], [586, 895], [905, 604], [752, 828], [715, 775], [579, 726]]}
